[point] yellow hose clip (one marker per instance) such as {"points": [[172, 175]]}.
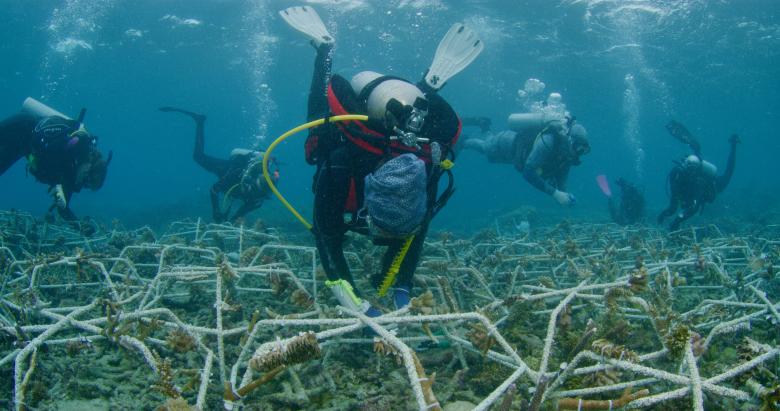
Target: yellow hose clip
{"points": [[395, 267], [446, 164], [311, 124]]}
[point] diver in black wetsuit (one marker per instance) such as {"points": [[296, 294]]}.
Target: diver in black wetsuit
{"points": [[631, 209], [694, 182], [408, 124], [60, 152], [239, 178]]}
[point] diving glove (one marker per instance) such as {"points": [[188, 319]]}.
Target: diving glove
{"points": [[59, 196], [563, 198]]}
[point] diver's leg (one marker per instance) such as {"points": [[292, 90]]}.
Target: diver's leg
{"points": [[408, 265], [246, 208], [216, 166], [476, 144], [318, 92], [723, 180], [331, 191]]}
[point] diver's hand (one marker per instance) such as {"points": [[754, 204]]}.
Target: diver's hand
{"points": [[59, 196], [563, 198], [734, 139]]}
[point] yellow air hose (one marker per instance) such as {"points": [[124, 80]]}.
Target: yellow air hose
{"points": [[392, 272], [311, 124]]}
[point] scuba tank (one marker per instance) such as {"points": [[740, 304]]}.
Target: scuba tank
{"points": [[38, 109], [524, 122]]}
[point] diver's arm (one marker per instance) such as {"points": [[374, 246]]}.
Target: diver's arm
{"points": [[562, 178], [685, 214], [724, 179], [540, 153], [65, 212], [533, 178], [246, 208]]}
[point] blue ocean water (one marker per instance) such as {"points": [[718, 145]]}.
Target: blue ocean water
{"points": [[624, 69]]}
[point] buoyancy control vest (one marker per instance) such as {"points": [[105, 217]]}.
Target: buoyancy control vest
{"points": [[441, 125]]}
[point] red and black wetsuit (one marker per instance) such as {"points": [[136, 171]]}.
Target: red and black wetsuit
{"points": [[346, 152]]}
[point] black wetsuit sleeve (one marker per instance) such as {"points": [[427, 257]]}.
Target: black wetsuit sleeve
{"points": [[442, 123], [724, 179], [540, 154], [15, 139], [685, 214], [67, 214], [562, 178]]}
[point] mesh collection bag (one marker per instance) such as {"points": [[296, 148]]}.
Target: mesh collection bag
{"points": [[395, 196]]}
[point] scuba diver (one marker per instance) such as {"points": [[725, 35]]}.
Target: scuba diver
{"points": [[631, 209], [390, 164], [60, 152], [238, 178], [542, 149], [694, 181]]}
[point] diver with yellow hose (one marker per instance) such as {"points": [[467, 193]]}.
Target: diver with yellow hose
{"points": [[240, 177], [379, 177]]}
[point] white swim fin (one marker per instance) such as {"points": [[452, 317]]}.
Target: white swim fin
{"points": [[459, 47], [306, 20]]}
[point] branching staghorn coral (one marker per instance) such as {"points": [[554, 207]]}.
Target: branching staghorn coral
{"points": [[178, 287], [295, 350], [608, 349], [180, 341], [165, 384], [580, 404]]}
